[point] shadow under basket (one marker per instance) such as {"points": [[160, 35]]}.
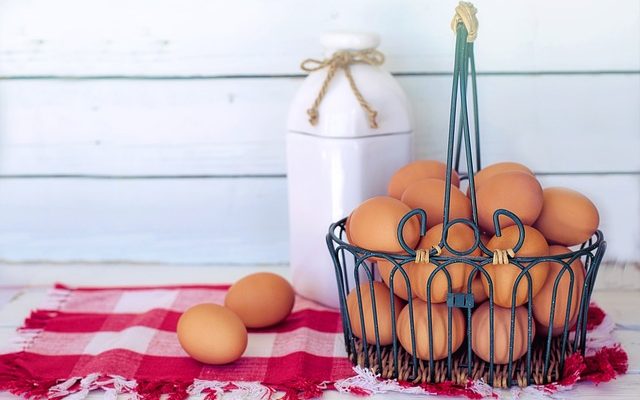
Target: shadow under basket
{"points": [[460, 371]]}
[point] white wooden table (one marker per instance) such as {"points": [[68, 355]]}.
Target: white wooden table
{"points": [[24, 286]]}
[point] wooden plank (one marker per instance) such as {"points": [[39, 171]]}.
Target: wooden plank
{"points": [[190, 221], [551, 123], [239, 221], [144, 127], [38, 276], [200, 37], [236, 126]]}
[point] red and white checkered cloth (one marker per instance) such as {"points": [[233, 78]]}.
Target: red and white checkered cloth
{"points": [[123, 340]]}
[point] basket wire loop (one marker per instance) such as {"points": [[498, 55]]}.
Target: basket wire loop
{"points": [[403, 222], [346, 256]]}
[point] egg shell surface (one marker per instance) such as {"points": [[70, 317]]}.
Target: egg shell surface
{"points": [[212, 334], [382, 314], [504, 277], [262, 299], [428, 194], [416, 171], [373, 225]]}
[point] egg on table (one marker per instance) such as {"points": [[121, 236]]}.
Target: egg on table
{"points": [[261, 299], [212, 334], [416, 171]]}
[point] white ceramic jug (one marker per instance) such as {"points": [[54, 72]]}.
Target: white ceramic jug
{"points": [[341, 160]]}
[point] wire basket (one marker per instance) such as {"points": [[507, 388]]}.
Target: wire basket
{"points": [[543, 360]]}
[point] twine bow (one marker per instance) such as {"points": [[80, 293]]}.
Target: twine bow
{"points": [[501, 257], [422, 255], [343, 59], [466, 14]]}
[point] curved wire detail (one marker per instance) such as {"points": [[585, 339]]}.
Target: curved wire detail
{"points": [[445, 234], [403, 222]]}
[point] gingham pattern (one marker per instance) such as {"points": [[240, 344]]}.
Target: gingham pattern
{"points": [[130, 333]]}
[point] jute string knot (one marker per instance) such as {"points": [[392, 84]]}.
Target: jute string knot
{"points": [[501, 257], [342, 60], [422, 255], [466, 14]]}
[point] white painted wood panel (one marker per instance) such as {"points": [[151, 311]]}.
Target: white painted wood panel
{"points": [[43, 275], [202, 37], [237, 126], [211, 220], [181, 220]]}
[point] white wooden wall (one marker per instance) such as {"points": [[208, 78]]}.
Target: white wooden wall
{"points": [[153, 130]]}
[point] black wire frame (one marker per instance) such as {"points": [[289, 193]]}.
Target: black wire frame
{"points": [[349, 259]]}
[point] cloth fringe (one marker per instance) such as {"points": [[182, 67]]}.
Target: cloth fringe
{"points": [[36, 321], [367, 383], [603, 366], [78, 388]]}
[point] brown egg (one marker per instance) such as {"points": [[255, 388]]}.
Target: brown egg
{"points": [[260, 300], [542, 301], [568, 217], [481, 330], [496, 169], [460, 238], [373, 225], [383, 312], [439, 329], [399, 283], [416, 171], [212, 334], [477, 289], [428, 194], [346, 229], [504, 276], [515, 191]]}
